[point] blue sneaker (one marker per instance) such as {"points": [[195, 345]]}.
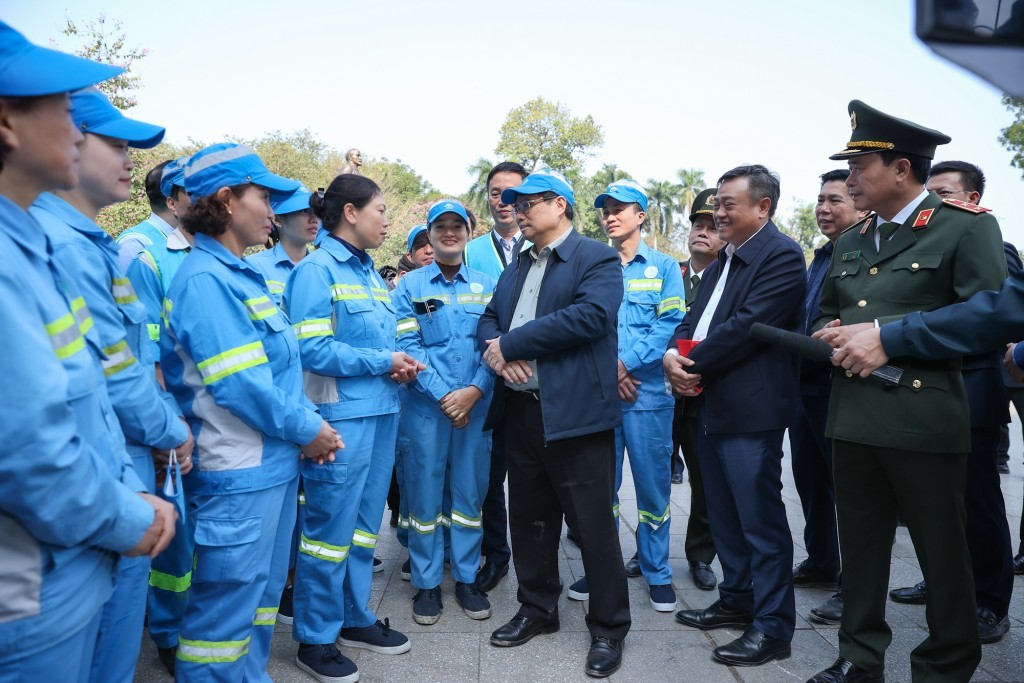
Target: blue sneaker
{"points": [[377, 638], [426, 606], [663, 598], [579, 590], [326, 664]]}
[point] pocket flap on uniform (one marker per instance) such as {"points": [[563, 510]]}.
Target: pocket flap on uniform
{"points": [[218, 533], [333, 472], [277, 322], [916, 262], [358, 305]]}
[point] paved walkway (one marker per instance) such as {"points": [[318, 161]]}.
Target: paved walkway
{"points": [[456, 649]]}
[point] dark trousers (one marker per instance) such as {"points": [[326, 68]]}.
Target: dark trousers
{"points": [[988, 533], [678, 467], [495, 516], [700, 547], [812, 474], [874, 485], [573, 478], [743, 481], [1016, 396]]}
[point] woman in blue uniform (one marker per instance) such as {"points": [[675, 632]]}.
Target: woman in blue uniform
{"points": [[345, 323], [297, 229], [446, 452], [71, 499], [230, 358]]}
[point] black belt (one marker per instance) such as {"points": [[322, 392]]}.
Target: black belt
{"points": [[530, 393]]}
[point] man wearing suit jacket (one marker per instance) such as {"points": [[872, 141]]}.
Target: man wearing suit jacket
{"points": [[900, 448], [549, 333], [748, 399]]}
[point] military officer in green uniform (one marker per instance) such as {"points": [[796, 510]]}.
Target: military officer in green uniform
{"points": [[901, 447]]}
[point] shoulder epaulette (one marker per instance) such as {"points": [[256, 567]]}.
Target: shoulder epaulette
{"points": [[966, 206]]}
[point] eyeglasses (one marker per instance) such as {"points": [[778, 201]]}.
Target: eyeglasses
{"points": [[524, 207]]}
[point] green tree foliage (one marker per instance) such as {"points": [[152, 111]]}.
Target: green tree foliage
{"points": [[542, 133], [299, 155], [691, 183], [1012, 136], [662, 207], [802, 226], [476, 196], [105, 41]]}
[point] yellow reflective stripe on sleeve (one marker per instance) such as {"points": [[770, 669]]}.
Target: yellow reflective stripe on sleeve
{"points": [[168, 307], [231, 361], [323, 551], [261, 307], [364, 539], [380, 294], [170, 582], [670, 304], [275, 286], [154, 331], [347, 292], [121, 288], [265, 616], [119, 357], [407, 326], [644, 285], [465, 520], [65, 336], [211, 651], [316, 327], [82, 315]]}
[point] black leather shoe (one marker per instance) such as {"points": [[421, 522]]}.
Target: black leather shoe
{"points": [[991, 628], [168, 657], [490, 575], [753, 648], [703, 576], [522, 629], [677, 478], [715, 616], [845, 671], [830, 611], [807, 575], [605, 656], [911, 595], [1018, 563], [633, 566]]}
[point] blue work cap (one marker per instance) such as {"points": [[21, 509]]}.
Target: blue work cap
{"points": [[443, 206], [27, 70], [93, 113], [296, 201], [416, 230], [173, 174], [626, 190], [227, 164], [544, 180]]}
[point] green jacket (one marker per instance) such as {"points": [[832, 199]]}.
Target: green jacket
{"points": [[952, 253]]}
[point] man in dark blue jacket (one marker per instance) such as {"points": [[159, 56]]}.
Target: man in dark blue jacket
{"points": [[750, 393], [549, 333]]}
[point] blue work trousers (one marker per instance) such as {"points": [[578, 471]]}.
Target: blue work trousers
{"points": [[647, 436], [123, 616], [446, 473], [68, 660], [170, 577], [241, 546], [344, 505]]}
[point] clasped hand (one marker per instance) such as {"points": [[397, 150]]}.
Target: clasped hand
{"points": [[683, 383], [457, 404], [322, 448], [512, 371]]}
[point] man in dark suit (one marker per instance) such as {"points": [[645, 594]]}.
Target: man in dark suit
{"points": [[900, 448], [988, 534], [549, 333], [748, 397]]}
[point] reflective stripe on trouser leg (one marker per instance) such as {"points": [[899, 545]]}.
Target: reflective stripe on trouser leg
{"points": [[359, 576], [170, 577], [424, 441], [241, 563], [332, 492], [469, 470], [120, 633], [647, 437]]}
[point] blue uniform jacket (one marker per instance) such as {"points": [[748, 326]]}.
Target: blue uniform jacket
{"points": [[572, 338], [275, 265], [750, 386], [230, 358], [89, 256], [151, 274], [150, 233], [437, 323], [651, 309], [63, 505], [345, 323]]}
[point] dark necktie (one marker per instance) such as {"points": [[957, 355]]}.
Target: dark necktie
{"points": [[694, 280]]}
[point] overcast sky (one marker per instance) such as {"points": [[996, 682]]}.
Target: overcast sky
{"points": [[674, 83]]}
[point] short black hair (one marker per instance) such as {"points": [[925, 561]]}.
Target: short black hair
{"points": [[157, 200], [919, 165], [569, 213], [761, 183], [840, 174], [971, 177], [507, 167]]}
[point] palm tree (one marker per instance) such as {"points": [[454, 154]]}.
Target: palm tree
{"points": [[692, 182], [476, 195], [607, 175], [663, 202]]}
